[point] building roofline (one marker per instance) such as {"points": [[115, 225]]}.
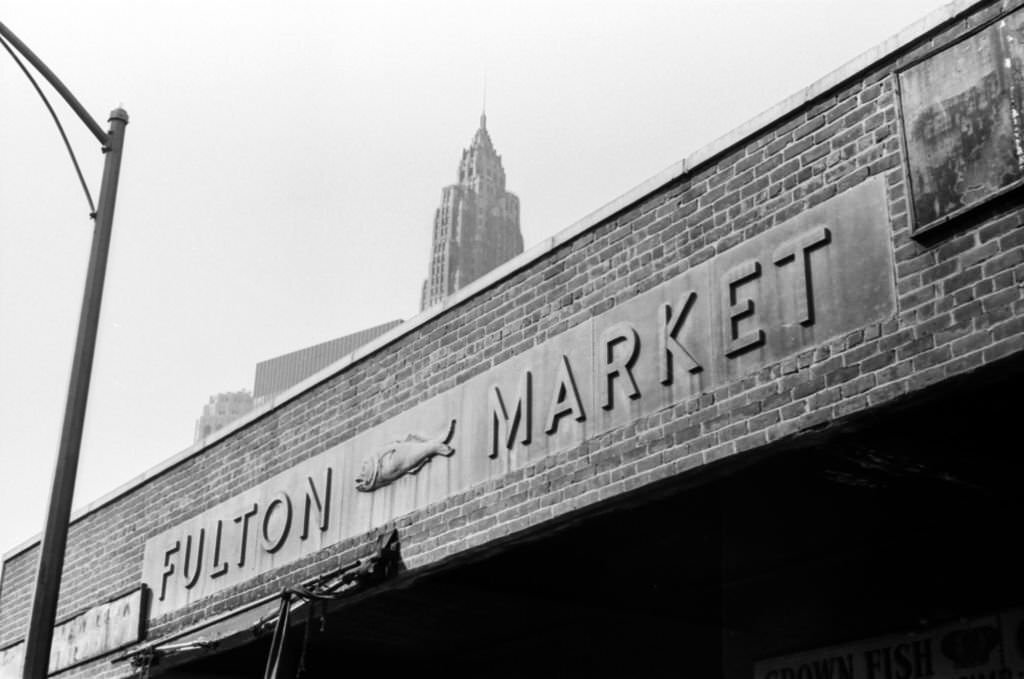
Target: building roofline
{"points": [[915, 31]]}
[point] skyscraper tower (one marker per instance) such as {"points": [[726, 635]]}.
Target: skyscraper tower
{"points": [[476, 227]]}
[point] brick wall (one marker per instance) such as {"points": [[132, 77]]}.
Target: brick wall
{"points": [[960, 305]]}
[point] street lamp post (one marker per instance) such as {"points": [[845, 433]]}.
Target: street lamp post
{"points": [[39, 637]]}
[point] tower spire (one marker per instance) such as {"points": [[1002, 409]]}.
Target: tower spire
{"points": [[483, 109]]}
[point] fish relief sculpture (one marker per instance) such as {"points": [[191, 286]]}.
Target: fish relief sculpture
{"points": [[399, 458]]}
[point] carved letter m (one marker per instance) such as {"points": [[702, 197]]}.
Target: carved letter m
{"points": [[504, 427]]}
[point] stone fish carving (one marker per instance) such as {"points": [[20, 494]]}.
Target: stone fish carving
{"points": [[399, 458]]}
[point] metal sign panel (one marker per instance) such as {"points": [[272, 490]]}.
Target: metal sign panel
{"points": [[90, 634], [823, 273]]}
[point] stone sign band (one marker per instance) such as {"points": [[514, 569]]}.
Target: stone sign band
{"points": [[817, 276]]}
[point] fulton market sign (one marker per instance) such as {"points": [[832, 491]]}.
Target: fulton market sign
{"points": [[823, 273]]}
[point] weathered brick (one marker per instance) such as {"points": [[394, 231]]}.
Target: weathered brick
{"points": [[1003, 262], [797, 148], [814, 154], [999, 227], [841, 109]]}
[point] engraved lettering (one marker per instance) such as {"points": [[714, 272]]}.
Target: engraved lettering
{"points": [[168, 568], [273, 543], [797, 250], [243, 540], [738, 310], [565, 398], [218, 567], [624, 335], [672, 354], [323, 505], [193, 564], [504, 428]]}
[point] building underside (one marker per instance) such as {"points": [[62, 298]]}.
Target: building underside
{"points": [[898, 520]]}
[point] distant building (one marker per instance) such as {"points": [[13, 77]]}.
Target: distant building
{"points": [[281, 372], [476, 227], [222, 408], [278, 374]]}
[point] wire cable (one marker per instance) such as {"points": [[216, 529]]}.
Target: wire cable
{"points": [[60, 128]]}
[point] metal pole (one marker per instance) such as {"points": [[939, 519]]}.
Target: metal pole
{"points": [[39, 637]]}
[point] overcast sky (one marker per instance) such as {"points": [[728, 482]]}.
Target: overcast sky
{"points": [[284, 160]]}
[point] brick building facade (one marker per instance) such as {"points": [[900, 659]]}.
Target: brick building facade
{"points": [[754, 417]]}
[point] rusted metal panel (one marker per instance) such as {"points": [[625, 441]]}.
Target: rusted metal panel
{"points": [[87, 635], [962, 122]]}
